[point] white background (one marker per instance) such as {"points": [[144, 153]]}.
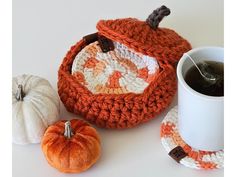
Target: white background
{"points": [[44, 30]]}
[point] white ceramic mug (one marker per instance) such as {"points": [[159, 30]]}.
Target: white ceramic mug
{"points": [[200, 117]]}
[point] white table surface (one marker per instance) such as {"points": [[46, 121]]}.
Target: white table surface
{"points": [[44, 30]]}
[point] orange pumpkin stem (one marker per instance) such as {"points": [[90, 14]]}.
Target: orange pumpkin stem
{"points": [[68, 130], [20, 94]]}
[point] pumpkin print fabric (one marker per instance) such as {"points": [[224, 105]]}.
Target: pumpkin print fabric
{"points": [[71, 146]]}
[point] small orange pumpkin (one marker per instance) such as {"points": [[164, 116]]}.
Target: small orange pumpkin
{"points": [[71, 146]]}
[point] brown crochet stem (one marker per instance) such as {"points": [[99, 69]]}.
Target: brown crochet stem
{"points": [[90, 38], [156, 16], [105, 44], [68, 130], [20, 94]]}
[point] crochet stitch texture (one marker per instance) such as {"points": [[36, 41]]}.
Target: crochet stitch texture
{"points": [[195, 158], [115, 72], [126, 109]]}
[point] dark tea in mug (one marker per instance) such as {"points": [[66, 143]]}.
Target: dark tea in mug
{"points": [[197, 82]]}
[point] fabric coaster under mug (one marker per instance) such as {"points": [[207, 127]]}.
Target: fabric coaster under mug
{"points": [[182, 152]]}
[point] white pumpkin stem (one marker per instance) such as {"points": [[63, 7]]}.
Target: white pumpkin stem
{"points": [[20, 94], [68, 130]]}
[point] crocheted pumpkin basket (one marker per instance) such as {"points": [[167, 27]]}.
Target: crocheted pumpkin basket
{"points": [[124, 74]]}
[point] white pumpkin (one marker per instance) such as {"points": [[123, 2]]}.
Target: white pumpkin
{"points": [[35, 106]]}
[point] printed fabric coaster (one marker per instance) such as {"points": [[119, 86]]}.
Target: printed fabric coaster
{"points": [[182, 152]]}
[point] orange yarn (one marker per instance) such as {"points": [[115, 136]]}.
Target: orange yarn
{"points": [[164, 44], [80, 77], [91, 63], [169, 129], [114, 80], [126, 110]]}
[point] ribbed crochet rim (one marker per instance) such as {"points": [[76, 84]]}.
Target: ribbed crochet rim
{"points": [[111, 110], [170, 53]]}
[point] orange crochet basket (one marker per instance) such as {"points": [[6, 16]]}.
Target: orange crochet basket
{"points": [[124, 74]]}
